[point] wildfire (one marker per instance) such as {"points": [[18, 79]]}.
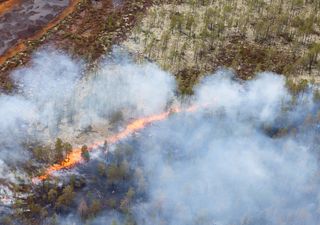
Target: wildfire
{"points": [[75, 157]]}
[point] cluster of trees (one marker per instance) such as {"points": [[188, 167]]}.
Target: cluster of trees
{"points": [[194, 34], [115, 181], [298, 87], [300, 91], [46, 201], [47, 154], [109, 184]]}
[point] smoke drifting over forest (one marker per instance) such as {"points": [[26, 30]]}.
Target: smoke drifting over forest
{"points": [[222, 164], [219, 166], [54, 98]]}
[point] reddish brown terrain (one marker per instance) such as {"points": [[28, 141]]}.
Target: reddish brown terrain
{"points": [[80, 27], [25, 18], [6, 5]]}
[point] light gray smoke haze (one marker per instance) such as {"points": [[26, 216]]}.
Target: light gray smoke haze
{"points": [[56, 100], [218, 165]]}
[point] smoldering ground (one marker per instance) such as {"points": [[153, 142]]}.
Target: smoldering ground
{"points": [[248, 155]]}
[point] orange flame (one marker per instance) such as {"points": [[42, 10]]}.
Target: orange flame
{"points": [[75, 157], [8, 5]]}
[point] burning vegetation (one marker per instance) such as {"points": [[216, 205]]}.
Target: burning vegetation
{"points": [[76, 156], [93, 138], [161, 166]]}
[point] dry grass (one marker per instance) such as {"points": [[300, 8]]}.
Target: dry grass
{"points": [[193, 38]]}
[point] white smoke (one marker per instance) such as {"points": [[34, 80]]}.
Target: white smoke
{"points": [[218, 165], [123, 85], [55, 99]]}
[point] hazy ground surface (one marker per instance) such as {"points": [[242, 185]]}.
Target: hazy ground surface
{"points": [[25, 19], [247, 153]]}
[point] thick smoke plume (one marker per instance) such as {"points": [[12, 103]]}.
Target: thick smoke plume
{"points": [[226, 163], [221, 166], [55, 99]]}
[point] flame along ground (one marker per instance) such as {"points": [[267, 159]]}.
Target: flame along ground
{"points": [[74, 157]]}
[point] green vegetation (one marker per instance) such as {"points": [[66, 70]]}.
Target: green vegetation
{"points": [[114, 182], [190, 38], [195, 37], [85, 153], [46, 154], [297, 87], [113, 186], [117, 181]]}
